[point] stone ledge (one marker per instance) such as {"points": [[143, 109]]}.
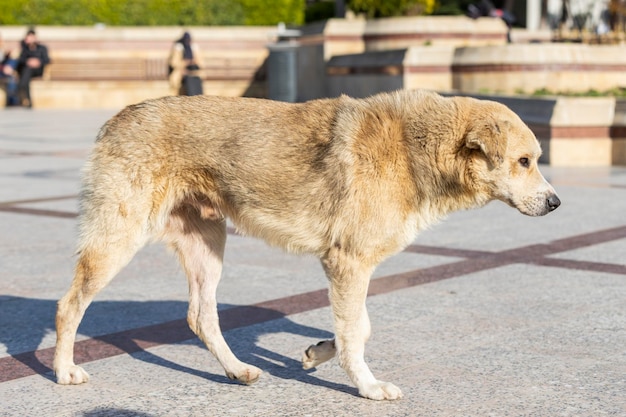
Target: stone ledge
{"points": [[352, 36], [117, 94], [529, 67]]}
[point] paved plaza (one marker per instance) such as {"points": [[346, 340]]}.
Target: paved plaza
{"points": [[490, 313]]}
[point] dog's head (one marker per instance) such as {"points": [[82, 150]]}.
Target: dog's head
{"points": [[504, 155]]}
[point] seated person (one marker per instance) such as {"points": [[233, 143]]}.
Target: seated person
{"points": [[31, 63], [8, 63]]}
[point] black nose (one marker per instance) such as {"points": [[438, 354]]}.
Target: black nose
{"points": [[553, 202]]}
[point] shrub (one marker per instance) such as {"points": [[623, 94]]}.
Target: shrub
{"points": [[151, 12], [271, 12], [388, 8]]}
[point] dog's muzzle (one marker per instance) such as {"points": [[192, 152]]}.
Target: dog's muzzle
{"points": [[553, 202]]}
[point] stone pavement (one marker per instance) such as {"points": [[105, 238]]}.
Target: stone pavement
{"points": [[490, 313]]}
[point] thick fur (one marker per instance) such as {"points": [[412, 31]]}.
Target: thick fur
{"points": [[351, 181]]}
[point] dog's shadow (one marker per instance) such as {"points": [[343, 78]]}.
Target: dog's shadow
{"points": [[24, 323]]}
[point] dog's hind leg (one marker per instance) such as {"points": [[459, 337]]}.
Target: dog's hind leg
{"points": [[349, 279], [98, 262], [199, 244], [318, 354]]}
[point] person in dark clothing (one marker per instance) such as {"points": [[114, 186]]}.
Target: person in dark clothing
{"points": [[8, 75], [31, 63], [184, 64], [487, 8]]}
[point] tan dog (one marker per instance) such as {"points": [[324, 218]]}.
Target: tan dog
{"points": [[351, 181]]}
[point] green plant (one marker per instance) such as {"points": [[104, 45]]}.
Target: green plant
{"points": [[388, 8], [270, 12], [619, 92], [151, 12], [542, 92]]}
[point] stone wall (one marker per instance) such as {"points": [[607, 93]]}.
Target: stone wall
{"points": [[525, 68]]}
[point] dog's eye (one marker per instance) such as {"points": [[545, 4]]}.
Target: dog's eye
{"points": [[524, 162]]}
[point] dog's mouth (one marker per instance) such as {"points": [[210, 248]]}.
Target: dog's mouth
{"points": [[537, 206]]}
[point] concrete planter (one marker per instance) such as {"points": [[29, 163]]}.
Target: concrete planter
{"points": [[508, 69]]}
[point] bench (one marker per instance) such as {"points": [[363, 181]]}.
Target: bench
{"points": [[81, 69], [94, 79], [104, 69]]}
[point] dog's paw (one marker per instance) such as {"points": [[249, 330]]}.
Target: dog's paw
{"points": [[72, 375], [247, 375], [381, 391], [317, 354]]}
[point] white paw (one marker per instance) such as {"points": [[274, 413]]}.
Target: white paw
{"points": [[381, 391], [317, 354], [247, 375], [72, 375]]}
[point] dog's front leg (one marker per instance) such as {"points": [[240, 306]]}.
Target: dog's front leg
{"points": [[349, 279]]}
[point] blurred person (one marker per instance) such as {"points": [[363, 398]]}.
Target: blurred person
{"points": [[31, 63], [486, 8], [8, 64], [184, 63]]}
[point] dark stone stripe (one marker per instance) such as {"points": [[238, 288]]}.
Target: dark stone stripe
{"points": [[38, 200], [587, 239], [334, 38], [551, 67], [419, 37], [378, 70], [424, 36], [545, 131], [387, 70], [582, 265], [577, 132], [443, 251], [78, 153], [618, 132], [39, 212]]}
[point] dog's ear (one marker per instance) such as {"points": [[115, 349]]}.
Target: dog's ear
{"points": [[490, 138]]}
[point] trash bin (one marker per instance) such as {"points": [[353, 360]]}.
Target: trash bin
{"points": [[282, 71]]}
